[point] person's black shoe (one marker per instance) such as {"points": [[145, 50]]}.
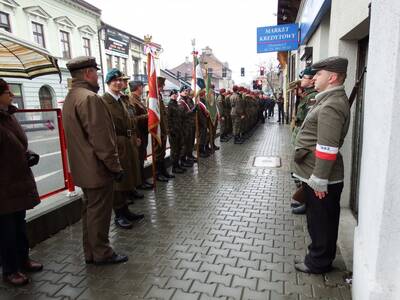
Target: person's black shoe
{"points": [[182, 168], [130, 216], [167, 175], [177, 170], [216, 148], [204, 154], [114, 259], [136, 195], [295, 204], [186, 163], [301, 267], [192, 158], [145, 186], [161, 178], [300, 210], [123, 222]]}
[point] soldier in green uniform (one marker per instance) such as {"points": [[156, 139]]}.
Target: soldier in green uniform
{"points": [[175, 131], [238, 114], [127, 142], [307, 84], [221, 104], [189, 127], [160, 150], [203, 117], [228, 121], [319, 164], [308, 99]]}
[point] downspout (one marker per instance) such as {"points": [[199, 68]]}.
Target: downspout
{"points": [[101, 57]]}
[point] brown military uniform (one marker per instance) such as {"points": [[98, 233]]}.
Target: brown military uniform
{"points": [[125, 129], [93, 158]]}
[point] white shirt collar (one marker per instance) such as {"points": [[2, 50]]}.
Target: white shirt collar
{"points": [[116, 97]]}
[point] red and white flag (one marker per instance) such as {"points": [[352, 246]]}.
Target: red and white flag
{"points": [[153, 106]]}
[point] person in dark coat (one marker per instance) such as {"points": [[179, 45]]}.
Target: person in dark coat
{"points": [[18, 193]]}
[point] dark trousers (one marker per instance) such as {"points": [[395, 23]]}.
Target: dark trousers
{"points": [[323, 224], [281, 113], [14, 245]]}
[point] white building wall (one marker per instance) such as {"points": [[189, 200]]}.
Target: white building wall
{"points": [[21, 26], [377, 239]]}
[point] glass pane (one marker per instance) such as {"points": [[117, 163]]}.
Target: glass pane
{"points": [[41, 129], [16, 89]]}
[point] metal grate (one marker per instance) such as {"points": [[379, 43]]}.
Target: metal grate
{"points": [[267, 162]]}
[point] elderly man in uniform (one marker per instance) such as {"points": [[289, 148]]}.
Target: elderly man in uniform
{"points": [[319, 164], [127, 143], [142, 118], [93, 158]]}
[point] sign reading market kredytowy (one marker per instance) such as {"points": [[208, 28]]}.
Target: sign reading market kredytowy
{"points": [[277, 38]]}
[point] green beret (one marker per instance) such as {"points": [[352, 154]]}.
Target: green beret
{"points": [[82, 62], [335, 64], [113, 74], [307, 71]]}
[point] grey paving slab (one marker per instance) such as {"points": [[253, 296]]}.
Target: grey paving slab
{"points": [[223, 230]]}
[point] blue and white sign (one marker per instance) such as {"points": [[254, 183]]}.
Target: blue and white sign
{"points": [[277, 38]]}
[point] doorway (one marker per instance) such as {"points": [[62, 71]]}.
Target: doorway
{"points": [[358, 127]]}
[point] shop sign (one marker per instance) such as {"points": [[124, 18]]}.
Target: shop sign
{"points": [[277, 38], [116, 43]]}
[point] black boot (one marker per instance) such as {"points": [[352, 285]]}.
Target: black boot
{"points": [[177, 170], [160, 176], [203, 152], [120, 220], [165, 172], [130, 216]]}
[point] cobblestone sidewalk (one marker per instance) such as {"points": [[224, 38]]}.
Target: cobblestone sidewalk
{"points": [[222, 231]]}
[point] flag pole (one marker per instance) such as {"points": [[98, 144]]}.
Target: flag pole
{"points": [[210, 126], [196, 103], [153, 140]]}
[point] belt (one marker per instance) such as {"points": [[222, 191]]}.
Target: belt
{"points": [[128, 133]]}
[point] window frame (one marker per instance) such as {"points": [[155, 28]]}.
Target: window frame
{"points": [[65, 42], [87, 47], [35, 26], [3, 25]]}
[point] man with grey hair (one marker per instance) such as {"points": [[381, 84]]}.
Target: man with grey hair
{"points": [[319, 164], [93, 158]]}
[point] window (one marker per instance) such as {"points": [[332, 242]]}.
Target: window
{"points": [[145, 67], [5, 21], [210, 72], [117, 62], [65, 45], [86, 47], [135, 66], [109, 62], [45, 97], [224, 71], [123, 66], [38, 34], [17, 91], [178, 74]]}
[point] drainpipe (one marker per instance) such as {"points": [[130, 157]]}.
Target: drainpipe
{"points": [[101, 57]]}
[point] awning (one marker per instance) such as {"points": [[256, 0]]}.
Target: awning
{"points": [[21, 59]]}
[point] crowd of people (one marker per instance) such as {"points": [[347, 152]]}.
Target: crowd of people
{"points": [[107, 139]]}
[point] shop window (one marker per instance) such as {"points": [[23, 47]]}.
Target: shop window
{"points": [[5, 21], [46, 97], [86, 47], [117, 62], [65, 45], [135, 66], [123, 66], [38, 34]]}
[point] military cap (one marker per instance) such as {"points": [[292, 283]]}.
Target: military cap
{"points": [[335, 64], [173, 92], [221, 91], [307, 71], [161, 80], [183, 88], [113, 74], [125, 77], [235, 88], [82, 62], [133, 85]]}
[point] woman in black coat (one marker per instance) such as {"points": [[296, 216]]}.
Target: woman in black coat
{"points": [[17, 193]]}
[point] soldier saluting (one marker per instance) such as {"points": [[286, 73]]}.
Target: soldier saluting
{"points": [[319, 164]]}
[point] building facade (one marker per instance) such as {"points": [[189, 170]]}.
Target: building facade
{"points": [[368, 237], [66, 28], [221, 75], [123, 51]]}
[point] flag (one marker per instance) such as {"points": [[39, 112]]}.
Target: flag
{"points": [[210, 100], [153, 105], [197, 77]]}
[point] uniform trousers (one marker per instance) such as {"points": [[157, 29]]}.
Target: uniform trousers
{"points": [[323, 224], [176, 142], [237, 125], [96, 217], [14, 246]]}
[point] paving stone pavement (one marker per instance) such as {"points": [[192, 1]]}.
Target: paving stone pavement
{"points": [[222, 231]]}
